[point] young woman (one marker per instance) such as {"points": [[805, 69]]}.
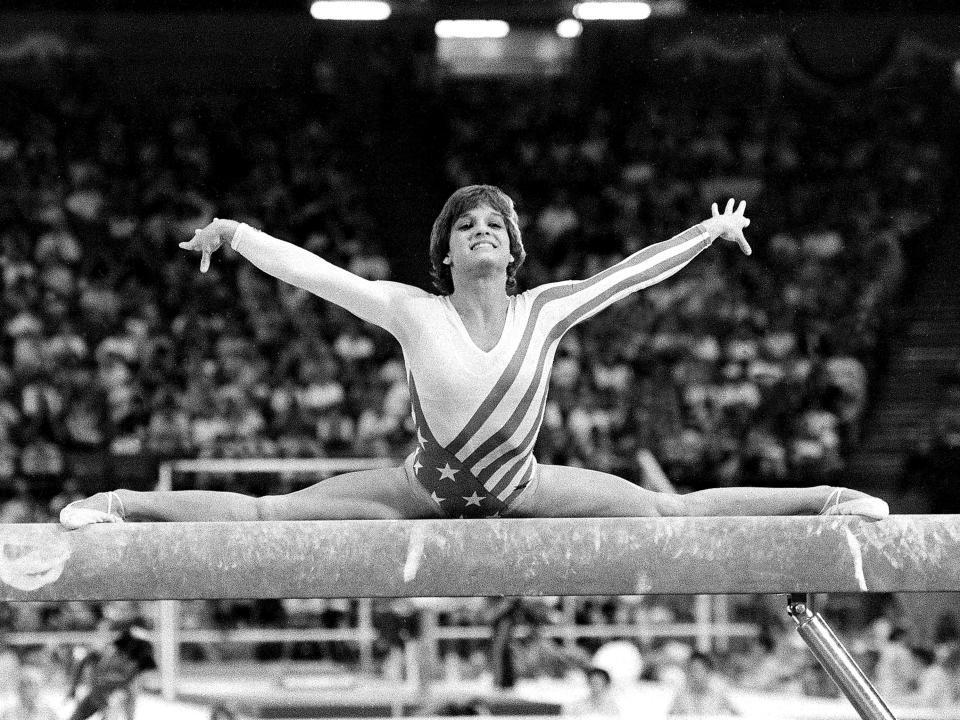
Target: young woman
{"points": [[478, 363]]}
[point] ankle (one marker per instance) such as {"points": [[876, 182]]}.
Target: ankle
{"points": [[122, 502], [829, 496]]}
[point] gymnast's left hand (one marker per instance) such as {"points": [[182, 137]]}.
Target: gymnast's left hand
{"points": [[209, 239], [729, 224]]}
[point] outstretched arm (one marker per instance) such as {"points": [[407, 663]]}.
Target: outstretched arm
{"points": [[374, 301], [661, 260], [580, 299]]}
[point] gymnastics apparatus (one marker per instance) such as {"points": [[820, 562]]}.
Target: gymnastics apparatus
{"points": [[792, 555]]}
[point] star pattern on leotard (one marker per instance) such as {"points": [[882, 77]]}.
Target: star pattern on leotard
{"points": [[455, 491], [447, 472], [450, 485], [473, 499]]}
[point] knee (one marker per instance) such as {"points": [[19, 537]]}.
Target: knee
{"points": [[651, 504], [266, 508], [670, 505], [641, 502], [281, 507], [354, 509], [379, 511]]}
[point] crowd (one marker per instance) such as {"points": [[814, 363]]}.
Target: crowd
{"points": [[115, 352], [906, 669], [115, 347], [933, 465], [609, 677]]}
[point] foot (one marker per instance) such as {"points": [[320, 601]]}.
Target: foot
{"points": [[843, 501], [104, 507]]}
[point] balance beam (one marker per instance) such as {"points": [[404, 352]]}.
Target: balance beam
{"points": [[423, 558]]}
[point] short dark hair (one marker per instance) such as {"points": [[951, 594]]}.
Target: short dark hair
{"points": [[465, 199], [599, 672]]}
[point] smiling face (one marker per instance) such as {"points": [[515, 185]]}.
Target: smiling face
{"points": [[483, 211], [479, 242]]}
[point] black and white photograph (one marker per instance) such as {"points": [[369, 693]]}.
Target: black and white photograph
{"points": [[519, 358]]}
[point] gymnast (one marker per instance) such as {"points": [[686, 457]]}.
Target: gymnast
{"points": [[478, 358]]}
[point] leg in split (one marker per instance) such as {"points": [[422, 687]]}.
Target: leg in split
{"points": [[576, 492], [363, 495]]}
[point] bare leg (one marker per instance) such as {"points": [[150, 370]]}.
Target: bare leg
{"points": [[757, 501], [575, 492], [214, 506], [364, 495]]}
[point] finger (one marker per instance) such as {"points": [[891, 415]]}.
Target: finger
{"points": [[744, 245], [742, 208], [715, 210], [205, 261], [729, 206], [746, 221], [194, 243]]}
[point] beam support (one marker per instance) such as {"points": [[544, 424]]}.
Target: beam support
{"points": [[833, 656], [417, 558]]}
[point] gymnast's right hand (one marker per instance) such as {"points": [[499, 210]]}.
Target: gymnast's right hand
{"points": [[209, 239]]}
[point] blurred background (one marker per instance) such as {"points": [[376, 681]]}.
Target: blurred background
{"points": [[831, 355]]}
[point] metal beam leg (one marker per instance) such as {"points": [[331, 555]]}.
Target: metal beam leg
{"points": [[167, 626], [835, 659]]}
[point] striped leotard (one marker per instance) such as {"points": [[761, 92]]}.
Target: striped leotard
{"points": [[477, 413]]}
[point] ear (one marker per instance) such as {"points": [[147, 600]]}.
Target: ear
{"points": [[446, 260], [512, 258]]}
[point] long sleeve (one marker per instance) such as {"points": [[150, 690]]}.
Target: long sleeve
{"points": [[577, 300], [375, 301]]}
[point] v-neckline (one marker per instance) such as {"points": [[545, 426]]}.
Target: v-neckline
{"points": [[462, 326]]}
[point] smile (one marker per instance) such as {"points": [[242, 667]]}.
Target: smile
{"points": [[477, 244]]}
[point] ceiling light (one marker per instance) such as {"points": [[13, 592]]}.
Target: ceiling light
{"points": [[471, 29], [569, 28], [612, 10], [350, 10]]}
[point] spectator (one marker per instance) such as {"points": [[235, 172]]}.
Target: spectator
{"points": [[702, 692], [600, 701], [111, 675], [779, 670], [622, 661], [931, 679], [893, 656]]}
